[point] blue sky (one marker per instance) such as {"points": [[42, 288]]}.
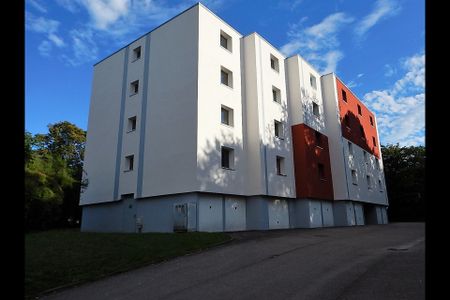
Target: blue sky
{"points": [[376, 47]]}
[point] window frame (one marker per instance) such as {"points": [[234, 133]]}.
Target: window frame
{"points": [[344, 96], [230, 157], [276, 61], [279, 133], [280, 165], [230, 114], [312, 79], [229, 77], [229, 40], [134, 85], [133, 120], [129, 163], [135, 57], [315, 105]]}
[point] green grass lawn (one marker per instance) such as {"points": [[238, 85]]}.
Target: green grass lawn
{"points": [[61, 257]]}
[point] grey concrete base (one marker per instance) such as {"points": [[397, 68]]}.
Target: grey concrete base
{"points": [[309, 213]]}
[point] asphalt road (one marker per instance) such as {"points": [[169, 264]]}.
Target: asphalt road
{"points": [[363, 262]]}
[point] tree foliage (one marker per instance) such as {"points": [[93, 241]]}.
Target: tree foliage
{"points": [[404, 169], [53, 176]]}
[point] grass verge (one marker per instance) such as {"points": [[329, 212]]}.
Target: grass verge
{"points": [[64, 257]]}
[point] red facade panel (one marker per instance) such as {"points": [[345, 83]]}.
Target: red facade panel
{"points": [[311, 163], [357, 121]]}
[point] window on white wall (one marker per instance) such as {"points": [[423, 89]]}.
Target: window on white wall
{"points": [[137, 53], [225, 41], [129, 163], [315, 109], [131, 124], [226, 77], [354, 177], [226, 115], [278, 129], [350, 148], [227, 158], [312, 81], [280, 166], [134, 87], [276, 94], [369, 182], [274, 63], [380, 185]]}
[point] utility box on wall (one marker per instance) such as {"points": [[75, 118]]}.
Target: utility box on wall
{"points": [[185, 217]]}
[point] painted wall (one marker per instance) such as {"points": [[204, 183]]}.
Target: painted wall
{"points": [[278, 213], [327, 214], [307, 155], [359, 213], [257, 213], [344, 213], [235, 213], [351, 129], [102, 132], [260, 113], [170, 146], [212, 94]]}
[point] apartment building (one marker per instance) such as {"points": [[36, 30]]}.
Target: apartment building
{"points": [[195, 127]]}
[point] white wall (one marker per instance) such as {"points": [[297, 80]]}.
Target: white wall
{"points": [[327, 214], [171, 129], [102, 131], [212, 94], [210, 213], [302, 94], [261, 111], [235, 214]]}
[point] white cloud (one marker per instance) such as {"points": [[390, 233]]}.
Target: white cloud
{"points": [[84, 48], [37, 5], [382, 10], [351, 84], [360, 75], [401, 108], [56, 40], [318, 43], [104, 13], [390, 71], [70, 5], [44, 48], [40, 24]]}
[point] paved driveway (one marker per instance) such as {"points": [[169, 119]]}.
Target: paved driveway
{"points": [[363, 262]]}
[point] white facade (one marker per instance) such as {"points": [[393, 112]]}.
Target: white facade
{"points": [[156, 133]]}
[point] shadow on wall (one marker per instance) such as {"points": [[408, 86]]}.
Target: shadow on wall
{"points": [[317, 122], [353, 130]]}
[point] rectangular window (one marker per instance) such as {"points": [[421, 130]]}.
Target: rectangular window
{"points": [[278, 129], [225, 41], [359, 110], [371, 120], [374, 141], [315, 109], [134, 87], [344, 96], [366, 160], [380, 185], [227, 158], [318, 137], [129, 163], [274, 63], [354, 177], [276, 94], [131, 124], [369, 182], [226, 77], [280, 166], [137, 53], [321, 169], [350, 148], [347, 121], [227, 115], [361, 129], [312, 81]]}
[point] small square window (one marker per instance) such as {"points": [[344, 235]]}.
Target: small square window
{"points": [[354, 177], [278, 129], [312, 81], [227, 158], [318, 137], [374, 141], [134, 87], [137, 53], [274, 63], [344, 96], [226, 115], [226, 77], [359, 110], [321, 169], [315, 109], [129, 163], [280, 166], [350, 148], [369, 182], [347, 121], [225, 41], [131, 124], [276, 94], [371, 120]]}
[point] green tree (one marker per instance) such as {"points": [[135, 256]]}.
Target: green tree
{"points": [[404, 169], [53, 175]]}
